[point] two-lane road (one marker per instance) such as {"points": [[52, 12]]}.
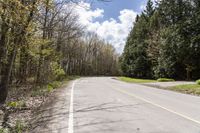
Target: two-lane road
{"points": [[106, 105]]}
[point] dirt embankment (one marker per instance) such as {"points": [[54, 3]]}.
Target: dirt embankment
{"points": [[24, 107]]}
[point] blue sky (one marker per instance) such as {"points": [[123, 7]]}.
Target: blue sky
{"points": [[112, 21], [113, 8]]}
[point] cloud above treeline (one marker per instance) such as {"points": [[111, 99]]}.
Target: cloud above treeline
{"points": [[114, 31]]}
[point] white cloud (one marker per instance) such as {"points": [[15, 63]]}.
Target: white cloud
{"points": [[86, 15], [143, 7], [117, 32], [113, 30]]}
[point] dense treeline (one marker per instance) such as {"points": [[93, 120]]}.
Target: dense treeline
{"points": [[42, 41], [165, 41]]}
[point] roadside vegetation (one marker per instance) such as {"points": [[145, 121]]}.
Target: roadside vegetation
{"points": [[188, 89], [17, 112], [164, 42], [43, 44], [165, 80], [134, 80], [198, 82], [137, 80], [42, 41]]}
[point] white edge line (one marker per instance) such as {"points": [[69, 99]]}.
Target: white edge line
{"points": [[71, 111], [157, 105]]}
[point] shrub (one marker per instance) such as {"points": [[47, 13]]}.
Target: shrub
{"points": [[49, 88], [3, 130], [36, 92], [17, 104], [19, 127], [198, 82], [45, 89], [57, 72], [12, 104], [55, 84], [60, 74], [165, 80]]}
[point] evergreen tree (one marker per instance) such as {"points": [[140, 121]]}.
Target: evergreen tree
{"points": [[149, 11], [165, 41], [135, 62]]}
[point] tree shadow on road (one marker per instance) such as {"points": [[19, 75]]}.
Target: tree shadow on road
{"points": [[55, 119]]}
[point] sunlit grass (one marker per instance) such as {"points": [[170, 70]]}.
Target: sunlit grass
{"points": [[188, 89], [135, 80], [165, 80]]}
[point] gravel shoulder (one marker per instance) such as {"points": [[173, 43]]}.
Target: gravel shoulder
{"points": [[52, 117]]}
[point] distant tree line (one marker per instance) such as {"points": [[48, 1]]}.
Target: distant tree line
{"points": [[165, 41], [42, 41]]}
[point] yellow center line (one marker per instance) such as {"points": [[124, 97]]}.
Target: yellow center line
{"points": [[157, 105]]}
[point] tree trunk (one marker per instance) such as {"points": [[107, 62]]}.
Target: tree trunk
{"points": [[4, 30], [188, 75], [6, 72], [3, 88], [23, 62], [44, 36]]}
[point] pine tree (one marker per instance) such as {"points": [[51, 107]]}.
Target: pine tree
{"points": [[135, 61], [149, 11], [165, 39]]}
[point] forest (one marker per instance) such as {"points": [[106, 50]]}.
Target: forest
{"points": [[164, 42], [43, 45], [42, 41]]}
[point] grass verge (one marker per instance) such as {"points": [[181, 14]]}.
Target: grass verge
{"points": [[45, 89], [165, 80], [188, 89], [135, 80], [198, 82]]}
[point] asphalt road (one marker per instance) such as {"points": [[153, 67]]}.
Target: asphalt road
{"points": [[106, 105]]}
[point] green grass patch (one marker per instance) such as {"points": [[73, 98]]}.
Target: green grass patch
{"points": [[20, 127], [188, 89], [17, 104], [2, 130], [49, 88], [165, 80], [45, 89], [198, 82], [54, 84], [41, 91], [135, 80]]}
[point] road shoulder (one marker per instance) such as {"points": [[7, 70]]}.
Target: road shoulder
{"points": [[52, 116]]}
